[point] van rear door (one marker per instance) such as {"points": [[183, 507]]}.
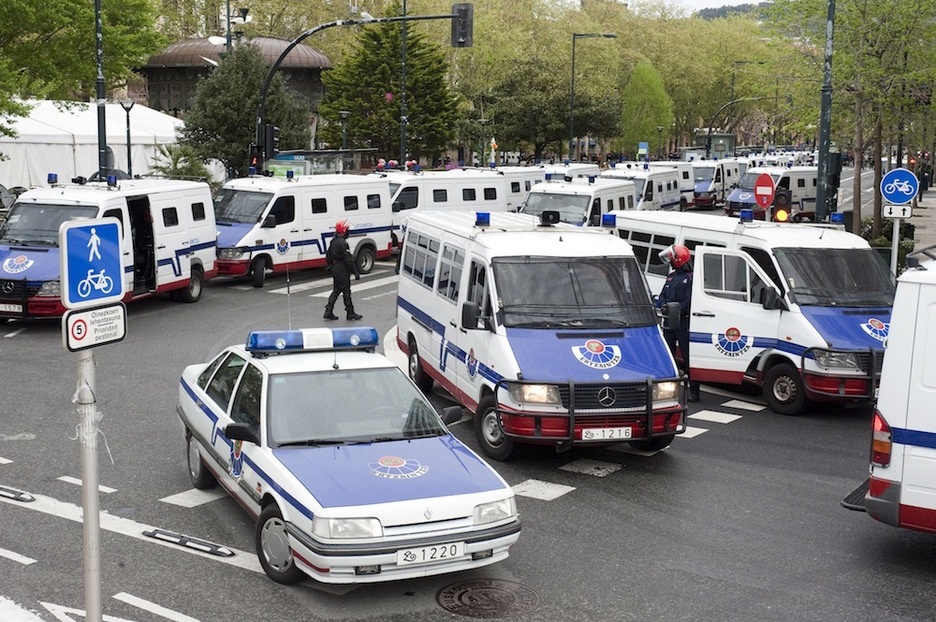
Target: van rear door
{"points": [[728, 322]]}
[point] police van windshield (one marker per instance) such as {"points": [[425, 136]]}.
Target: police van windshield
{"points": [[240, 206], [573, 292], [836, 277], [748, 179], [34, 223], [572, 208], [704, 173]]}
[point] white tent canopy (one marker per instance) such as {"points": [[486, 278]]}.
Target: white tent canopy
{"points": [[62, 138]]}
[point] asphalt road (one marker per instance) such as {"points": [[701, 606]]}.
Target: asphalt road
{"points": [[738, 520]]}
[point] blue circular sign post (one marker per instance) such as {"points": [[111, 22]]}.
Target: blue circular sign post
{"points": [[899, 186]]}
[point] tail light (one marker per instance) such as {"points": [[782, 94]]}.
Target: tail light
{"points": [[881, 441]]}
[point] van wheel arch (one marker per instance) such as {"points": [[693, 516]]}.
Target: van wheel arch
{"points": [[365, 257], [784, 389], [192, 292]]}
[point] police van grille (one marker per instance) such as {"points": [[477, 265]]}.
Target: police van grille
{"points": [[627, 395], [864, 362], [15, 291]]}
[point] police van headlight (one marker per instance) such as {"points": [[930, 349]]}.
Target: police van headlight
{"points": [[494, 511], [667, 391], [346, 527], [230, 253], [829, 358], [50, 288], [535, 393]]}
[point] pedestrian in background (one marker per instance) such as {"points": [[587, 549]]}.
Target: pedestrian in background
{"points": [[678, 288], [340, 262]]}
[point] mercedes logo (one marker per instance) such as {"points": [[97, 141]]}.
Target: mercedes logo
{"points": [[607, 397], [7, 287]]}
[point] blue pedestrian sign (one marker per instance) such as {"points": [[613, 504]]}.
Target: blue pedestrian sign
{"points": [[899, 186], [92, 266]]}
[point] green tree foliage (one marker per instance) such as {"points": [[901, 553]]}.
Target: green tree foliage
{"points": [[368, 83], [221, 124], [646, 106]]}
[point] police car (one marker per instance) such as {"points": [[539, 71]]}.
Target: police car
{"points": [[352, 475]]}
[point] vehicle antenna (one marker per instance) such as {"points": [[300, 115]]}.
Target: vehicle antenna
{"points": [[288, 301]]}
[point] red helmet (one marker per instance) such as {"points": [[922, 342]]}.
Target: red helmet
{"points": [[342, 226], [676, 255]]}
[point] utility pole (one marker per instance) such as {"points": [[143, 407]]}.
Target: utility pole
{"points": [[825, 122]]}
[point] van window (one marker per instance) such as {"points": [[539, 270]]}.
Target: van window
{"points": [[515, 186], [319, 206], [198, 211], [729, 276], [284, 209], [800, 183], [450, 272], [478, 292], [350, 203], [420, 257], [630, 202], [490, 194], [408, 198], [691, 244], [440, 195], [170, 217], [469, 194], [647, 247], [763, 260], [115, 213], [373, 201]]}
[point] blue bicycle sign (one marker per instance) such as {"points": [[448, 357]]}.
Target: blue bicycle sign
{"points": [[899, 186], [92, 264]]}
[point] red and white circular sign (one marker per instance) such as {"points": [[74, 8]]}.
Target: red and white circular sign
{"points": [[764, 190]]}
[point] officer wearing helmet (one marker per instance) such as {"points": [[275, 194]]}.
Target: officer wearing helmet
{"points": [[678, 288], [341, 264]]}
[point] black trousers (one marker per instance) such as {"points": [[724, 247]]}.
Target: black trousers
{"points": [[341, 286], [680, 337]]}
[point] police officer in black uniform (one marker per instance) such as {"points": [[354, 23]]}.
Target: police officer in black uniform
{"points": [[342, 265], [678, 288]]}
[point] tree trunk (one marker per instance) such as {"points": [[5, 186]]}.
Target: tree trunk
{"points": [[878, 174], [858, 149]]}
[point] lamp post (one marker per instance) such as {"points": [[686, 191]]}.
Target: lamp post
{"points": [[659, 142], [575, 37], [483, 122], [127, 104], [344, 114]]}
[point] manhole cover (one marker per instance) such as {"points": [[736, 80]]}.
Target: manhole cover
{"points": [[487, 598]]}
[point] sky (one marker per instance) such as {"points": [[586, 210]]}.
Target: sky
{"points": [[695, 5]]}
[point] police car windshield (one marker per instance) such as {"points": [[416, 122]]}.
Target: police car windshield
{"points": [[836, 277], [34, 223], [240, 206], [576, 292], [748, 179], [703, 173], [571, 208], [347, 406]]}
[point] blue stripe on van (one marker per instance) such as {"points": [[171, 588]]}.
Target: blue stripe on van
{"points": [[760, 343], [231, 240], [916, 438]]}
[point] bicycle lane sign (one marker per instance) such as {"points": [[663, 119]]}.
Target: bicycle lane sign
{"points": [[92, 265], [899, 186]]}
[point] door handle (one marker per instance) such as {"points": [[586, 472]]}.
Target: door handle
{"points": [[294, 231], [161, 246], [703, 314]]}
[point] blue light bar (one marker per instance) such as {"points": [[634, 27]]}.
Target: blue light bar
{"points": [[608, 220], [52, 179], [747, 215], [549, 176], [251, 170], [311, 339], [290, 174], [837, 218], [482, 219], [646, 166], [592, 178], [111, 180]]}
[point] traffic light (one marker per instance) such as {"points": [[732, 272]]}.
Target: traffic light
{"points": [[462, 25], [255, 158], [834, 170], [270, 140]]}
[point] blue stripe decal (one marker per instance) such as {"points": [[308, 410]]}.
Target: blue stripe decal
{"points": [[320, 243], [916, 438], [760, 343]]}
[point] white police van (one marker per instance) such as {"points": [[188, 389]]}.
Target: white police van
{"points": [[168, 243], [349, 471], [901, 490], [714, 181], [657, 188], [581, 201], [686, 179], [795, 193], [545, 331], [279, 224], [455, 189], [801, 311]]}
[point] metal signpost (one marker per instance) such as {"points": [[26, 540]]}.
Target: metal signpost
{"points": [[92, 284], [898, 187]]}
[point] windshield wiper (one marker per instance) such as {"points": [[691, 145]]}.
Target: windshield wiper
{"points": [[312, 443]]}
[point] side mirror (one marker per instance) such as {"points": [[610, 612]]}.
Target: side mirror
{"points": [[451, 414], [470, 314], [771, 300], [240, 432], [269, 222], [396, 206], [671, 315]]}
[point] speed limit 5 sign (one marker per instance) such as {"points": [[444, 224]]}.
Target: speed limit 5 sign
{"points": [[89, 328]]}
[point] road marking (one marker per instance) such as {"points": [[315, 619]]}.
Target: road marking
{"points": [[364, 286], [77, 482], [714, 416], [22, 559], [153, 608], [194, 497], [742, 405], [544, 491], [301, 287], [64, 614], [5, 461], [591, 467], [692, 432], [11, 612], [15, 332], [133, 529]]}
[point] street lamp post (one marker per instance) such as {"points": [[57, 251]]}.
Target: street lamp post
{"points": [[344, 114], [127, 104], [659, 142], [575, 37]]}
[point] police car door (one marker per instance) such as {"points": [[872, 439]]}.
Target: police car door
{"points": [[729, 324]]}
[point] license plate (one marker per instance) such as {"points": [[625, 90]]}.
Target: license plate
{"points": [[430, 554], [606, 434], [11, 308]]}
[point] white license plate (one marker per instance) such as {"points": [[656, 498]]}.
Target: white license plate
{"points": [[606, 434], [11, 308], [430, 554]]}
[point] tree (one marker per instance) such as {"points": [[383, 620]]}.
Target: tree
{"points": [[646, 106], [368, 83], [221, 124]]}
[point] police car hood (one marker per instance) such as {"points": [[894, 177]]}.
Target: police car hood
{"points": [[33, 263], [850, 328], [623, 355], [368, 473], [230, 234], [741, 195]]}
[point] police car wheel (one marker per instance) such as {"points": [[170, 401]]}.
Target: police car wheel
{"points": [[201, 477], [784, 390], [273, 548], [416, 372], [494, 443], [258, 271], [193, 291], [366, 258]]}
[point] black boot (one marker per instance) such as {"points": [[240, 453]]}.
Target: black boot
{"points": [[354, 316], [329, 315]]}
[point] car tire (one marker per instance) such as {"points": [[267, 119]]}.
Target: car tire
{"points": [[653, 444], [366, 258], [258, 271], [489, 433], [201, 477], [416, 372], [273, 548], [784, 390], [193, 291]]}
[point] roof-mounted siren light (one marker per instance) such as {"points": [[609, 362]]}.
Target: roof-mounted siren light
{"points": [[591, 179], [251, 171], [609, 220], [482, 219], [549, 176], [52, 179], [565, 162], [310, 339], [837, 218], [646, 166], [549, 218], [290, 174], [111, 181], [747, 215]]}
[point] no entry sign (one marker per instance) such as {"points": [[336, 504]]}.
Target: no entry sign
{"points": [[764, 190]]}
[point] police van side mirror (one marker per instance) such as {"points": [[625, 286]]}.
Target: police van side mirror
{"points": [[772, 300], [240, 432], [396, 206], [269, 222], [470, 314]]}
